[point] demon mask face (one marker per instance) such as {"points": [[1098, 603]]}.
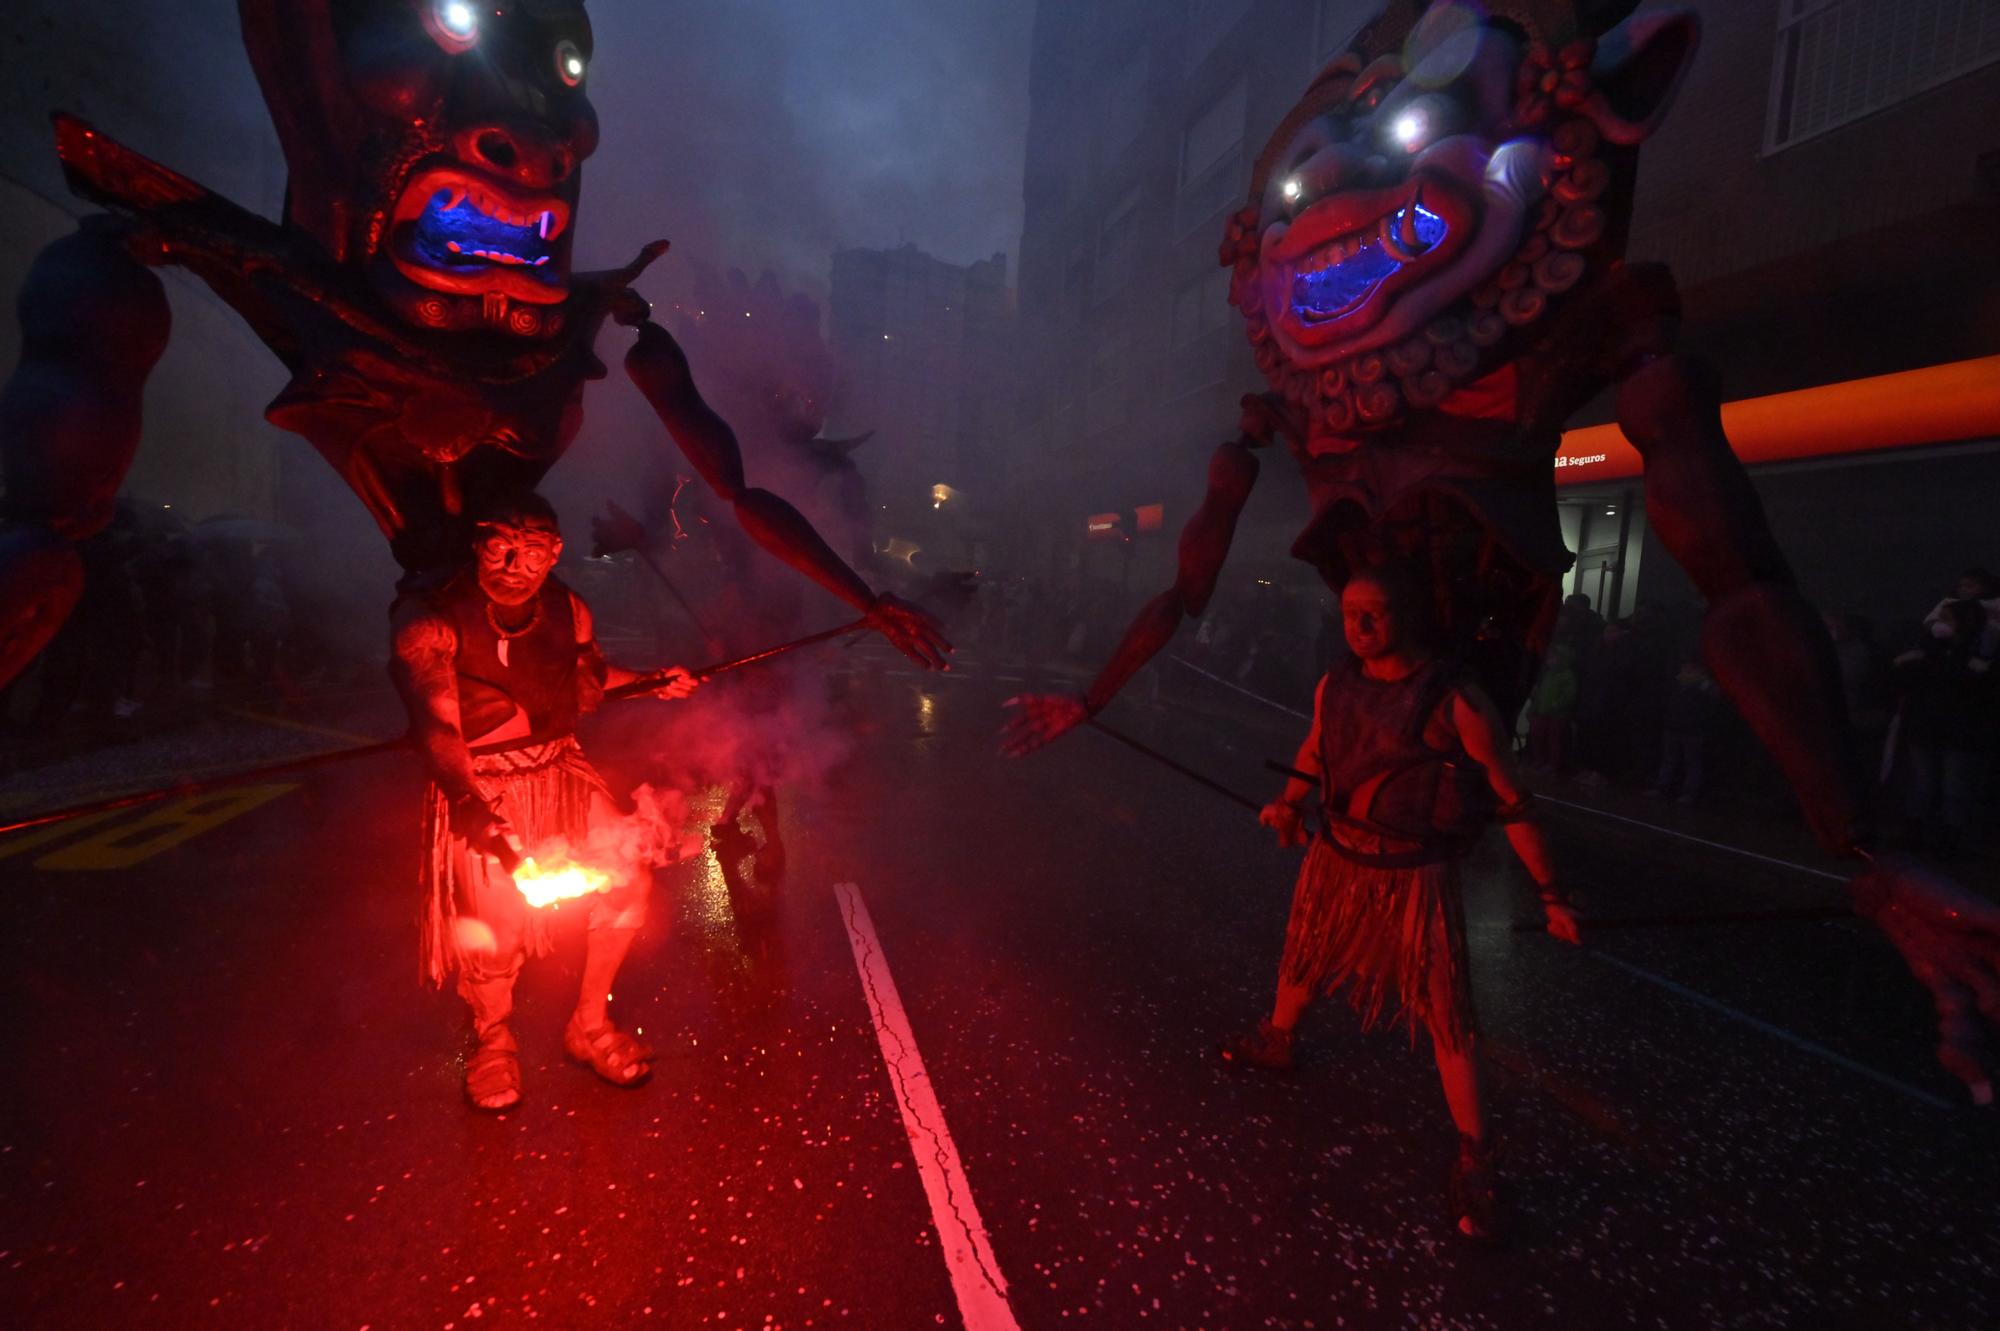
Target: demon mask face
{"points": [[436, 144], [1438, 185]]}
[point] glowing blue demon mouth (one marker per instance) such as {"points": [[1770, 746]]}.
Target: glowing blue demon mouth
{"points": [[1353, 265], [453, 233]]}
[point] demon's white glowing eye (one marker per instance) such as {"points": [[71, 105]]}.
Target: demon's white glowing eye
{"points": [[569, 62], [1293, 189], [1409, 127], [457, 18]]}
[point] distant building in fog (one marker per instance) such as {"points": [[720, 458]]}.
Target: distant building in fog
{"points": [[1826, 187], [922, 345], [1143, 121]]}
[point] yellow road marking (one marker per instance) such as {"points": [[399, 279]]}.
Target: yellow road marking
{"points": [[20, 841], [127, 844]]}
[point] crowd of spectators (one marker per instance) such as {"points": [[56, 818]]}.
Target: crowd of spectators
{"points": [[170, 613], [1630, 703]]}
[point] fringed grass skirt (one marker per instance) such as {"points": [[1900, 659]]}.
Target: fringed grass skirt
{"points": [[1394, 939], [543, 791]]}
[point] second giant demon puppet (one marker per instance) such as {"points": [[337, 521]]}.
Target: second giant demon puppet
{"points": [[418, 289], [1430, 267]]}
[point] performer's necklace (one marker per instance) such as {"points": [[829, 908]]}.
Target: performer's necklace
{"points": [[507, 634]]}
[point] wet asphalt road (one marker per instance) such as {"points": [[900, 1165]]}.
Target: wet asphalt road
{"points": [[228, 1102]]}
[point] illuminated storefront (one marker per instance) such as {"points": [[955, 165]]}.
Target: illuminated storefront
{"points": [[1873, 485]]}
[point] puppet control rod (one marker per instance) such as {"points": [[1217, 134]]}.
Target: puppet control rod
{"points": [[1784, 915], [639, 687], [1803, 914]]}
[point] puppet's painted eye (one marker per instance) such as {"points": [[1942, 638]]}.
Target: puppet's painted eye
{"points": [[570, 64], [455, 24]]}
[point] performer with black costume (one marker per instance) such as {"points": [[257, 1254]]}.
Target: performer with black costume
{"points": [[496, 668], [1411, 761]]}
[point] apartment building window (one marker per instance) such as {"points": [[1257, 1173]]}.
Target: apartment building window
{"points": [[1201, 307], [1104, 405], [1839, 60], [1209, 21], [1336, 24], [1117, 245], [1212, 173], [1125, 104]]}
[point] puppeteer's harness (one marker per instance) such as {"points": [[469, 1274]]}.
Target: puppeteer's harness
{"points": [[1417, 803]]}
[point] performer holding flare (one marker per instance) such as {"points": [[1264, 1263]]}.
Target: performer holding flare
{"points": [[1411, 760], [496, 668]]}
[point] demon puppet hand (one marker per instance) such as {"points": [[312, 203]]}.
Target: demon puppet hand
{"points": [[1950, 940], [1559, 918], [911, 629], [1041, 718], [1282, 817]]}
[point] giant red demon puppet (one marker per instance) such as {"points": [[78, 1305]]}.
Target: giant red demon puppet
{"points": [[1430, 267], [419, 290]]}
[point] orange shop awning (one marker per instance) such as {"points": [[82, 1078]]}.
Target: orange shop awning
{"points": [[1938, 404]]}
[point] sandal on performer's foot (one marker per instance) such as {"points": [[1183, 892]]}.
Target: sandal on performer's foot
{"points": [[1268, 1047], [493, 1073], [1474, 1192], [609, 1052]]}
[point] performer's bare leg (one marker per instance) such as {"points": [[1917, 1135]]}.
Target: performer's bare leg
{"points": [[1459, 1070], [590, 1037], [486, 983], [603, 953], [1474, 1205], [493, 1073], [1290, 1004]]}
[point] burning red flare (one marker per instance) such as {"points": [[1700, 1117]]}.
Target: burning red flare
{"points": [[560, 880]]}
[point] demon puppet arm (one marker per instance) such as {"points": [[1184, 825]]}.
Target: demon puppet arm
{"points": [[1041, 718], [1431, 272], [660, 368]]}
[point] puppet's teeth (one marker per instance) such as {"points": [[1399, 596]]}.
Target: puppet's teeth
{"points": [[543, 227], [1406, 230]]}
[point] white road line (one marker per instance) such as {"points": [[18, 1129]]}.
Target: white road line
{"points": [[1916, 1093], [1238, 688], [1699, 841], [968, 1255]]}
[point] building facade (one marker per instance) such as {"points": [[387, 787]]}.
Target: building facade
{"points": [[1826, 188], [1821, 188], [923, 348]]}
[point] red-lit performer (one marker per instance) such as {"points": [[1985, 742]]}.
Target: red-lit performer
{"points": [[496, 667], [1412, 761]]}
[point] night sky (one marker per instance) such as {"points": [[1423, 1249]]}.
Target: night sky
{"points": [[771, 132]]}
